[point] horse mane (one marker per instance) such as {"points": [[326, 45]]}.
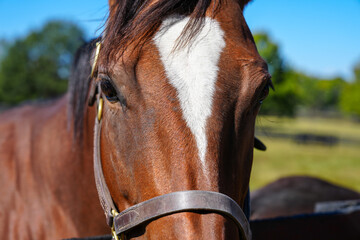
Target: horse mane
{"points": [[135, 21], [78, 87]]}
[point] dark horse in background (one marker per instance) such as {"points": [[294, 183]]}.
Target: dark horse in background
{"points": [[182, 84], [286, 209], [294, 195]]}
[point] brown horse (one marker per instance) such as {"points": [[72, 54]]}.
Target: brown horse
{"points": [[289, 196], [182, 83]]}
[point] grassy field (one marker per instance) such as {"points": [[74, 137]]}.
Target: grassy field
{"points": [[339, 164]]}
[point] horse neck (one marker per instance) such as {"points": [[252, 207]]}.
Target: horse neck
{"points": [[86, 141], [50, 187], [78, 192]]}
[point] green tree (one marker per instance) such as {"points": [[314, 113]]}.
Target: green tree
{"points": [[319, 94], [38, 65], [357, 72], [294, 89], [3, 48], [285, 98], [350, 97]]}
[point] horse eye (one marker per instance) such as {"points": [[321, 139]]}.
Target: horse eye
{"points": [[265, 91], [109, 91], [264, 94]]}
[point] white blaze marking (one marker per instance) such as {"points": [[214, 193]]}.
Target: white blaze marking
{"points": [[193, 71]]}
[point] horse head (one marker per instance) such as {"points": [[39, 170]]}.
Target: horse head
{"points": [[182, 83]]}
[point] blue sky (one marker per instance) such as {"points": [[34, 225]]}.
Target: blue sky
{"points": [[320, 37]]}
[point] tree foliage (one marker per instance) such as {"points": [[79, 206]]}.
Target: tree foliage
{"points": [[285, 99], [3, 48], [350, 97], [318, 94], [294, 89], [38, 65]]}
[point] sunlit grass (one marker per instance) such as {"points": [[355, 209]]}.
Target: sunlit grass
{"points": [[338, 127], [339, 164]]}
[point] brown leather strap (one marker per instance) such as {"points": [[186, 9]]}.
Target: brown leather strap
{"points": [[184, 201], [103, 191]]}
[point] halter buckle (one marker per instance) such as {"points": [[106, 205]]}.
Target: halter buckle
{"points": [[113, 231], [115, 236]]}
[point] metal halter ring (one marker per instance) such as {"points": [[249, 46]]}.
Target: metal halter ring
{"points": [[100, 108], [98, 46], [113, 232]]}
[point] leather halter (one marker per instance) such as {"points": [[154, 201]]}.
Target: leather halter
{"points": [[145, 212]]}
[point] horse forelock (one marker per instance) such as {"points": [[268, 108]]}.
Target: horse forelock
{"points": [[137, 21]]}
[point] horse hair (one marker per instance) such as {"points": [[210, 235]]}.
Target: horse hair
{"points": [[78, 88], [135, 21]]}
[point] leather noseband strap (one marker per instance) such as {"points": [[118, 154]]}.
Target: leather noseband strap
{"points": [[184, 201]]}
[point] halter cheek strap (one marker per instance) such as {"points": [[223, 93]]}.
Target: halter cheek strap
{"points": [[144, 212], [101, 186]]}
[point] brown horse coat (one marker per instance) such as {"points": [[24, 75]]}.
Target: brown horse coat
{"points": [[47, 185]]}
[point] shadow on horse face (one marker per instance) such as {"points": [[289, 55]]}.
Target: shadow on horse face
{"points": [[181, 98]]}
